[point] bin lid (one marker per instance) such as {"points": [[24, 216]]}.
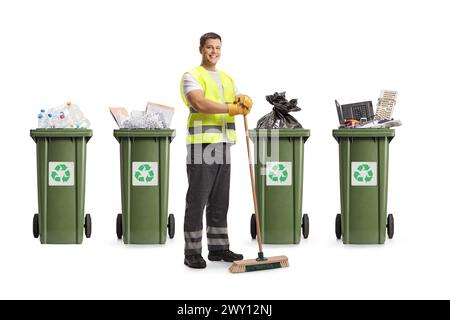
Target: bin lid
{"points": [[282, 133], [364, 133], [60, 133], [144, 133]]}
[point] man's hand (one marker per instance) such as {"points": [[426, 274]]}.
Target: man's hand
{"points": [[246, 101], [237, 108]]}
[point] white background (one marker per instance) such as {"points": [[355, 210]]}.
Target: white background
{"points": [[125, 53]]}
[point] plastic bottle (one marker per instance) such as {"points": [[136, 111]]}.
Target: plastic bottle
{"points": [[69, 122], [76, 116], [50, 120], [42, 119], [56, 121], [62, 120], [85, 123]]}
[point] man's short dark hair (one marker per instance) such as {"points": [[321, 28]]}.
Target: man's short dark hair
{"points": [[209, 35]]}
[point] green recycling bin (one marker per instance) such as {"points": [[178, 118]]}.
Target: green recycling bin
{"points": [[279, 155], [144, 168], [61, 175], [363, 168]]}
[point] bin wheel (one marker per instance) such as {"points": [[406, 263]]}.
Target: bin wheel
{"points": [[390, 226], [87, 225], [305, 226], [36, 226], [338, 226], [253, 226], [119, 229], [171, 226]]}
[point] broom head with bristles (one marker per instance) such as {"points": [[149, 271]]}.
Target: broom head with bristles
{"points": [[257, 265]]}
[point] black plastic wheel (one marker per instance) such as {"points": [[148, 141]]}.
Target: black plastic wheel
{"points": [[87, 225], [253, 226], [171, 226], [36, 226], [338, 226], [305, 226], [119, 228], [390, 226]]}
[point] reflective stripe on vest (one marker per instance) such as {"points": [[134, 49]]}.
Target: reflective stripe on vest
{"points": [[211, 128]]}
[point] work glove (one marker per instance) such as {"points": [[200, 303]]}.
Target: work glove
{"points": [[237, 108], [246, 101]]}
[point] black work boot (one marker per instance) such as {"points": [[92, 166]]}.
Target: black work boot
{"points": [[225, 255], [195, 261]]}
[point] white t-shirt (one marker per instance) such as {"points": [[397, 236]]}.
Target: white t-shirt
{"points": [[190, 83]]}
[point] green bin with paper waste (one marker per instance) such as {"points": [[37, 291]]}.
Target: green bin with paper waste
{"points": [[279, 155], [363, 168], [61, 175], [144, 167]]}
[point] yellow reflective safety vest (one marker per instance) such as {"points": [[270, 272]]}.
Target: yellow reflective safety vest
{"points": [[206, 127]]}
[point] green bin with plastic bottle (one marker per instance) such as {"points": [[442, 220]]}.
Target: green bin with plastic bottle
{"points": [[363, 168], [61, 176], [279, 157], [144, 172]]}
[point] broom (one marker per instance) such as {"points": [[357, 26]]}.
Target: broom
{"points": [[260, 263]]}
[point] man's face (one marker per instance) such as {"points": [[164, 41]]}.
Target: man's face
{"points": [[211, 51]]}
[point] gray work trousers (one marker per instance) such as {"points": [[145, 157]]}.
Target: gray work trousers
{"points": [[209, 187]]}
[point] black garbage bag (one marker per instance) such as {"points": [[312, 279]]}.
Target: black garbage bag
{"points": [[280, 117]]}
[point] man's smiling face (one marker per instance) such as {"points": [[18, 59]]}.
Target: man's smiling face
{"points": [[211, 51]]}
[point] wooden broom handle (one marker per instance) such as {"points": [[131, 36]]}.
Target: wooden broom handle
{"points": [[252, 177]]}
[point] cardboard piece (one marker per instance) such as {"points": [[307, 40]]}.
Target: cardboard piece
{"points": [[165, 111], [119, 114]]}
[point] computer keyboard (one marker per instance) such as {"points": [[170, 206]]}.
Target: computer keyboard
{"points": [[358, 110], [385, 105]]}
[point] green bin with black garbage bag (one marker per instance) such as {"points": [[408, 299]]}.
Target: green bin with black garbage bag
{"points": [[363, 168], [61, 176], [144, 172], [279, 155]]}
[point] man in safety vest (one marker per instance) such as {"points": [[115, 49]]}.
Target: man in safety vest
{"points": [[213, 101]]}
